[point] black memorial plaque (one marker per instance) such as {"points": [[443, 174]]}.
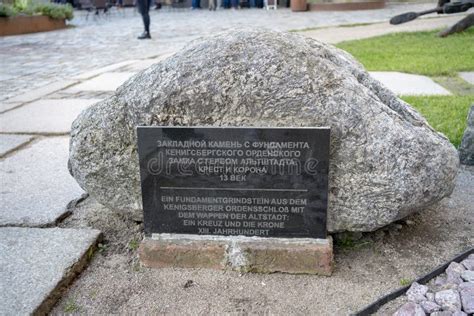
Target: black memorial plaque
{"points": [[266, 182]]}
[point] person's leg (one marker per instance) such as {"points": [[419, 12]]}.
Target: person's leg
{"points": [[146, 18], [144, 7]]}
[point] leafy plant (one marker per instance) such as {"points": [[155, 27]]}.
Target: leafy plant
{"points": [[71, 307], [22, 5], [26, 7], [404, 282], [55, 11], [133, 244], [7, 10]]}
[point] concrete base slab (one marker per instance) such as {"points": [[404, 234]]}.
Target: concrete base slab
{"points": [[37, 264], [35, 185], [9, 143], [109, 81], [47, 116], [247, 254], [408, 84], [468, 76]]}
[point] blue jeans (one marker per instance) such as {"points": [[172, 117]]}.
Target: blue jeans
{"points": [[196, 4]]}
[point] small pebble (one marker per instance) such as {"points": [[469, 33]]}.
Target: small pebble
{"points": [[466, 291], [467, 276], [440, 280], [430, 296], [449, 300], [441, 313], [455, 268], [453, 273], [468, 264], [410, 309], [416, 292], [430, 307]]}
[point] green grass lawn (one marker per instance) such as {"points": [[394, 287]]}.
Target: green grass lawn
{"points": [[421, 53], [446, 114], [427, 54]]}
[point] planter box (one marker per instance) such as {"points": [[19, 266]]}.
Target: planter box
{"points": [[299, 5], [346, 6], [29, 24]]}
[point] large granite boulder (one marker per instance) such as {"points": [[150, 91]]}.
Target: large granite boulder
{"points": [[386, 161]]}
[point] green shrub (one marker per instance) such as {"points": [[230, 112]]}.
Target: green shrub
{"points": [[22, 5], [7, 10], [25, 7], [55, 11]]}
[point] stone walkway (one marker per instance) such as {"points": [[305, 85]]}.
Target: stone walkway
{"points": [[339, 34], [36, 60], [46, 80]]}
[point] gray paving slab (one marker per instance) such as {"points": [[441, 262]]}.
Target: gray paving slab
{"points": [[35, 185], [46, 116], [338, 34], [5, 106], [468, 76], [408, 84], [31, 95], [145, 63], [96, 72], [36, 262], [108, 81], [8, 143]]}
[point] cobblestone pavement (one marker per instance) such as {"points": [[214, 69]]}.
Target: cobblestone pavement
{"points": [[36, 60]]}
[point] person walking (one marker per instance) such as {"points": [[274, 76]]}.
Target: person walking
{"points": [[196, 4], [212, 5], [144, 8]]}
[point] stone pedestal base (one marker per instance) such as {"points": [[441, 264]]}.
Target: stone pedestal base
{"points": [[247, 254]]}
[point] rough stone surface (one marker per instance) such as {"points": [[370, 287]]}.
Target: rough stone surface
{"points": [[386, 161], [44, 116], [430, 296], [442, 313], [35, 184], [9, 143], [248, 254], [448, 300], [466, 291], [410, 309], [468, 264], [466, 149], [467, 276], [453, 273], [35, 262], [416, 292], [430, 307], [408, 84]]}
